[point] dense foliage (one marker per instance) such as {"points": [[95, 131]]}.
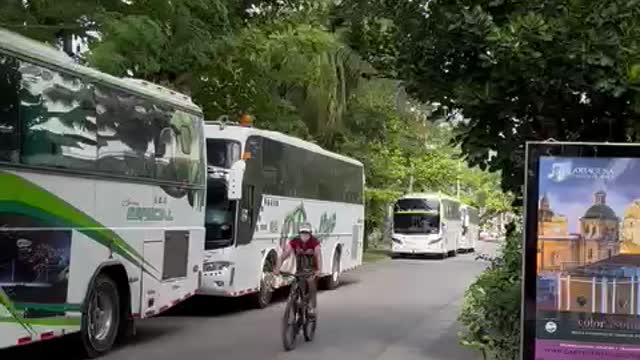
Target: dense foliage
{"points": [[491, 310], [389, 83], [517, 70], [293, 65]]}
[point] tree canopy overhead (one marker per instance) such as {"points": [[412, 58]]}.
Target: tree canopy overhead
{"points": [[321, 70], [518, 70]]}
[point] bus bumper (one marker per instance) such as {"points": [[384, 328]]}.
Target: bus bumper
{"points": [[217, 280], [420, 247]]}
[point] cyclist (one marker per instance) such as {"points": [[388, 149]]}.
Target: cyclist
{"points": [[306, 248]]}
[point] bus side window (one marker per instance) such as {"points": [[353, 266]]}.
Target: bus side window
{"points": [[10, 78], [248, 204]]}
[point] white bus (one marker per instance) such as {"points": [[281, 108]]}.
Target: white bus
{"points": [[262, 185], [102, 193], [426, 224], [470, 228]]}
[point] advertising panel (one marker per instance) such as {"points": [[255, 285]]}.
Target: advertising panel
{"points": [[582, 252], [34, 261]]}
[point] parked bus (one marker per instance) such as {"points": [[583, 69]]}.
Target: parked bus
{"points": [[102, 193], [470, 228], [261, 186], [426, 224]]}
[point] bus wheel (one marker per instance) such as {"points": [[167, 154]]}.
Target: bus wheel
{"points": [[101, 318], [262, 298], [333, 280]]}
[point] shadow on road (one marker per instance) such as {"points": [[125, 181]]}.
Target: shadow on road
{"points": [[221, 307], [434, 349], [63, 348], [69, 347]]}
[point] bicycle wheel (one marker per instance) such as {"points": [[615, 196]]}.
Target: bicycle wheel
{"points": [[290, 322], [309, 327]]}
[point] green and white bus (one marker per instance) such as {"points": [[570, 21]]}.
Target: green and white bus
{"points": [[102, 194]]}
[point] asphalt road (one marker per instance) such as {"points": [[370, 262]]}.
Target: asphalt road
{"points": [[397, 309]]}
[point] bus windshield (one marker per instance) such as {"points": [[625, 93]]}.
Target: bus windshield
{"points": [[417, 204], [416, 223], [222, 153], [219, 217]]}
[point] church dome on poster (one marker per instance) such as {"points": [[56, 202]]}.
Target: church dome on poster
{"points": [[600, 211], [633, 210]]}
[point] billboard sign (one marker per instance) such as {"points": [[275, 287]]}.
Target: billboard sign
{"points": [[581, 287]]}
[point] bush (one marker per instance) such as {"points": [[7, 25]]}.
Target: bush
{"points": [[491, 310]]}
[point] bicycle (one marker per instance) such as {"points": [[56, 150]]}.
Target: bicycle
{"points": [[296, 314]]}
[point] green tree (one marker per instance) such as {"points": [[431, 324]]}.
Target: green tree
{"points": [[491, 309], [293, 77], [521, 71], [57, 22], [167, 42]]}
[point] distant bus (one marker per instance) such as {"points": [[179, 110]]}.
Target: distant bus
{"points": [[470, 228], [102, 193], [426, 224], [261, 186]]}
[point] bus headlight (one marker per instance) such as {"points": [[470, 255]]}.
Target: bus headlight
{"points": [[397, 241], [216, 266]]}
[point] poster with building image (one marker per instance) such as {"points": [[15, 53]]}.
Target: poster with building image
{"points": [[588, 258]]}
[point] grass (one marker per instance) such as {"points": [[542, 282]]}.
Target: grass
{"points": [[373, 255]]}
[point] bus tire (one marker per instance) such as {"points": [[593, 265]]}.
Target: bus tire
{"points": [[263, 297], [101, 317], [333, 281]]}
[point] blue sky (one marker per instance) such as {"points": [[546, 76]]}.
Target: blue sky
{"points": [[573, 195]]}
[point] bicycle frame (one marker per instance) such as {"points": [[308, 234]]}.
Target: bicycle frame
{"points": [[298, 302], [300, 284]]}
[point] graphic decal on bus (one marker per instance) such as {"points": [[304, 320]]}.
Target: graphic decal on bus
{"points": [[135, 212], [34, 263], [292, 222], [326, 227], [31, 201], [8, 312], [297, 217]]}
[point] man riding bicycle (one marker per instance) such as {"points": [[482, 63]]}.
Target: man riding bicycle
{"points": [[306, 248]]}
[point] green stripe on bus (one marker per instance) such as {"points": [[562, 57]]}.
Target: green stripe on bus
{"points": [[51, 321], [12, 207], [29, 199], [7, 304], [48, 307]]}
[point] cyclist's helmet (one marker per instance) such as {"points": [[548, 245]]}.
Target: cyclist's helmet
{"points": [[305, 228]]}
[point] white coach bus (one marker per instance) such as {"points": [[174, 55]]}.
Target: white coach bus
{"points": [[470, 217], [426, 224], [261, 186], [102, 193]]}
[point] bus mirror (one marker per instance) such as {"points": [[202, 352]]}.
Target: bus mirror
{"points": [[234, 186]]}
